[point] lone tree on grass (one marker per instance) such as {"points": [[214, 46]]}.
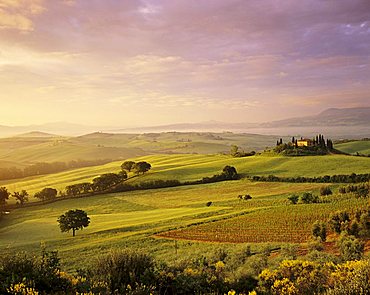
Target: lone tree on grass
{"points": [[73, 220]]}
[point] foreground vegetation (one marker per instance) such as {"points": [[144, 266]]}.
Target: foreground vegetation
{"points": [[221, 272]]}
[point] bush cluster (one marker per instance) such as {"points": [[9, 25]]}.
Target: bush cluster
{"points": [[306, 198]]}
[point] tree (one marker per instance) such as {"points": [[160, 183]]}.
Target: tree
{"points": [[106, 181], [128, 165], [21, 197], [319, 230], [85, 187], [122, 175], [47, 194], [73, 220], [230, 172], [141, 167], [78, 188], [4, 196], [293, 199], [72, 190]]}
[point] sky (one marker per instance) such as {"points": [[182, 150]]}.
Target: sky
{"points": [[139, 63]]}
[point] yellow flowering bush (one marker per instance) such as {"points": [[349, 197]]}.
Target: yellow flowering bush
{"points": [[22, 289]]}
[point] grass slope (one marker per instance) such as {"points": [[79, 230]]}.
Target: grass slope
{"points": [[131, 219], [353, 147], [186, 167]]}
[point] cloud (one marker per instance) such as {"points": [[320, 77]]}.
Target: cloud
{"points": [[209, 58], [18, 14]]}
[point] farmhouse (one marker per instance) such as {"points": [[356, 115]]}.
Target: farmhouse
{"points": [[305, 142]]}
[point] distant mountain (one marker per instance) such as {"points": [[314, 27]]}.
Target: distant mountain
{"points": [[59, 128], [334, 122], [37, 134], [330, 117], [208, 126]]}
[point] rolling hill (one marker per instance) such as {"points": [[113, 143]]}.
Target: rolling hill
{"points": [[40, 147], [353, 147], [189, 167]]}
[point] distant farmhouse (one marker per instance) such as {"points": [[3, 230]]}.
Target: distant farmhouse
{"points": [[305, 146], [305, 142]]}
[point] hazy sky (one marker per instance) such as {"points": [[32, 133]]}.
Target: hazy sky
{"points": [[128, 63]]}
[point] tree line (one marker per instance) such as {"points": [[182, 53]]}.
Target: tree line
{"points": [[113, 183], [47, 168], [340, 178]]}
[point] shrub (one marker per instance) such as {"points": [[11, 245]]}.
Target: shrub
{"points": [[293, 199], [342, 190], [120, 269], [319, 230], [247, 197], [339, 221], [350, 247], [325, 191], [308, 198]]}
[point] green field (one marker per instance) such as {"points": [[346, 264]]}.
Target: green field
{"points": [[185, 167], [353, 147], [133, 218], [146, 219]]}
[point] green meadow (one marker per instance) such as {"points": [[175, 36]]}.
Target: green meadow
{"points": [[187, 167], [132, 219], [353, 147], [138, 219]]}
